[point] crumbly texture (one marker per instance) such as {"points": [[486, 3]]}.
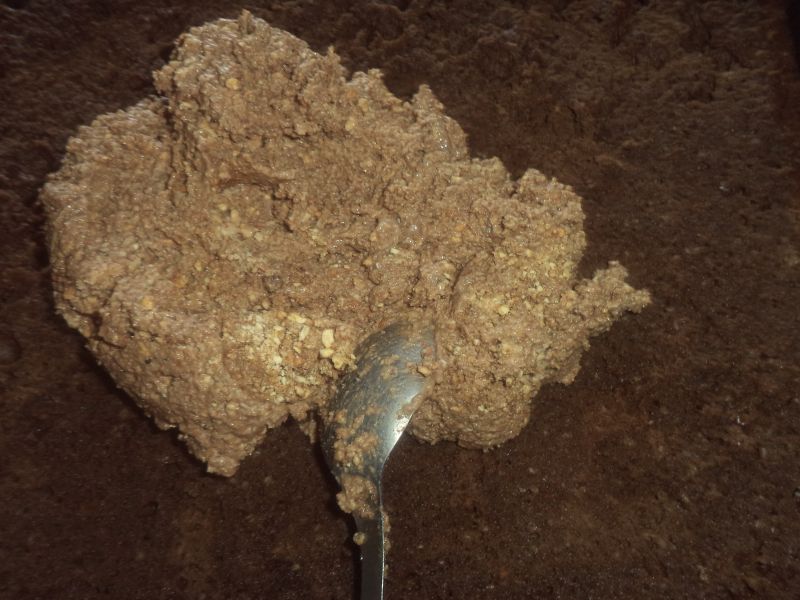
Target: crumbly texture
{"points": [[667, 469], [352, 450], [223, 247], [359, 496]]}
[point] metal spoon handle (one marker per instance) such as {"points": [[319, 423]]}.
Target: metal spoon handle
{"points": [[372, 557]]}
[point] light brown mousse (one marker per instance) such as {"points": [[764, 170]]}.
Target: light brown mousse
{"points": [[225, 245]]}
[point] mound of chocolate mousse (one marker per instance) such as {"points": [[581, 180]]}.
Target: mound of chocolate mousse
{"points": [[224, 246]]}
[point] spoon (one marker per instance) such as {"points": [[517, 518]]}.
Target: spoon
{"points": [[371, 409]]}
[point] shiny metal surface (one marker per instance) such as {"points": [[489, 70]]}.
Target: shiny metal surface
{"points": [[376, 400]]}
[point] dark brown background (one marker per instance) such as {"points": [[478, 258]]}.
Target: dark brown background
{"points": [[669, 469]]}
